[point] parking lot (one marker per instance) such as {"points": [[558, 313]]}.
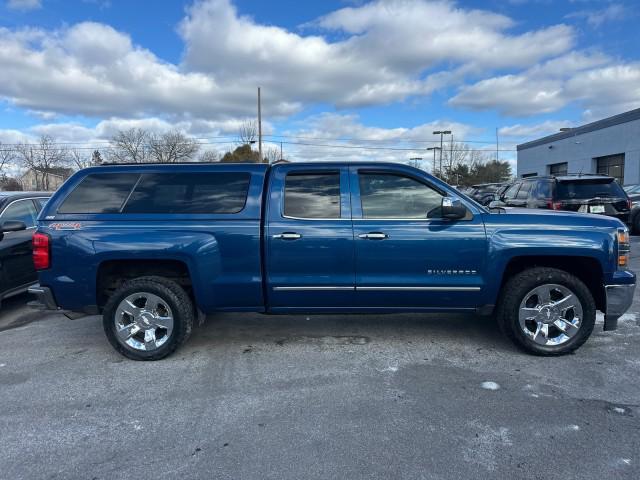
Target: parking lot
{"points": [[253, 396]]}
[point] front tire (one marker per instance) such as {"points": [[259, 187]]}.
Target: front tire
{"points": [[546, 311], [148, 318]]}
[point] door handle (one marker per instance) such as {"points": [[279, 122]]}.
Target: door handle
{"points": [[373, 236], [288, 236]]}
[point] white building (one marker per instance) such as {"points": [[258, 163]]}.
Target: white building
{"points": [[610, 146]]}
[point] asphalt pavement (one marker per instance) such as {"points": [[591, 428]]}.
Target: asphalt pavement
{"points": [[306, 397]]}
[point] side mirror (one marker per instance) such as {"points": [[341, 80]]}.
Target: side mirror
{"points": [[496, 204], [12, 226], [453, 209]]}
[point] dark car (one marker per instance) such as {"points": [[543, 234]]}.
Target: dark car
{"points": [[582, 193], [18, 214], [484, 193]]}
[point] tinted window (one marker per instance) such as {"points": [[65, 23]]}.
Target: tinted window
{"points": [[589, 189], [523, 193], [511, 191], [312, 195], [99, 193], [22, 210], [223, 192], [41, 202], [544, 190], [394, 196]]}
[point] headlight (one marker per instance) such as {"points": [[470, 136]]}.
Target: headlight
{"points": [[624, 247]]}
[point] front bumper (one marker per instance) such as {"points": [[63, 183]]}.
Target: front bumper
{"points": [[44, 298], [619, 299]]}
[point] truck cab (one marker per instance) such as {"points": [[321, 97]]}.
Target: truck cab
{"points": [[152, 247]]}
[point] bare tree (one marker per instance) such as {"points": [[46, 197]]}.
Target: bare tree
{"points": [[7, 156], [41, 158], [172, 147], [129, 146], [80, 159], [209, 156], [248, 132], [272, 154]]}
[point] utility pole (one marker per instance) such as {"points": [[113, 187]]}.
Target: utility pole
{"points": [[260, 128], [451, 154], [441, 133], [281, 151], [497, 145]]}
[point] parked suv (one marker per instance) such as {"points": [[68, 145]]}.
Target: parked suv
{"points": [[18, 214], [484, 193], [582, 193]]}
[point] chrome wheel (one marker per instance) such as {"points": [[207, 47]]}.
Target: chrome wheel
{"points": [[550, 314], [143, 321]]}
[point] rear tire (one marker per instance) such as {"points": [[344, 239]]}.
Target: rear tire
{"points": [[148, 318], [546, 311]]}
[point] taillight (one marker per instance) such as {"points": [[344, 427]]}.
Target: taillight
{"points": [[41, 251], [555, 205]]}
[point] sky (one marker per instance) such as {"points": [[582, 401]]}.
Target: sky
{"points": [[340, 79]]}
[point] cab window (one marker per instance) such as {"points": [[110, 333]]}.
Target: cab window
{"points": [[385, 195], [312, 195]]}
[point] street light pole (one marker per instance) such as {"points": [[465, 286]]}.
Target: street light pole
{"points": [[441, 133], [433, 171]]}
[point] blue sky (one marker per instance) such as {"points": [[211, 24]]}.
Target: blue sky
{"points": [[384, 73]]}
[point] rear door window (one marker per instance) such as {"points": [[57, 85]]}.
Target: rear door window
{"points": [[523, 193], [189, 193], [511, 191], [312, 195], [99, 193], [585, 189]]}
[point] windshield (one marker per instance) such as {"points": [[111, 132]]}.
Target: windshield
{"points": [[583, 189]]}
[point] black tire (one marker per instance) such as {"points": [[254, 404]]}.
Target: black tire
{"points": [[171, 293], [521, 284]]}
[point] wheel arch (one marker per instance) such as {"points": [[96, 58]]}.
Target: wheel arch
{"points": [[112, 273], [587, 269]]}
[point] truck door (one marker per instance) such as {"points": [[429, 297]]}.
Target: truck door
{"points": [[309, 238], [407, 256]]}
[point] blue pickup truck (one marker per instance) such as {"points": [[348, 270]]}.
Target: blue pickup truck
{"points": [[154, 248]]}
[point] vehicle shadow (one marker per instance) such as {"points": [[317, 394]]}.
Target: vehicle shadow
{"points": [[451, 330], [14, 312]]}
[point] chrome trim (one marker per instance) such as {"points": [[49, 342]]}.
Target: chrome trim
{"points": [[372, 289], [426, 289], [315, 219], [44, 298], [373, 236], [319, 288], [288, 236]]}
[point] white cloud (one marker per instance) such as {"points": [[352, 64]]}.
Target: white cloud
{"points": [[24, 5], [596, 18], [593, 79], [527, 131], [387, 51]]}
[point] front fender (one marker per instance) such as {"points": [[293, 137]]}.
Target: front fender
{"points": [[510, 243]]}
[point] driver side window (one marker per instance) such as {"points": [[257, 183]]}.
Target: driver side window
{"points": [[22, 210], [387, 195]]}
